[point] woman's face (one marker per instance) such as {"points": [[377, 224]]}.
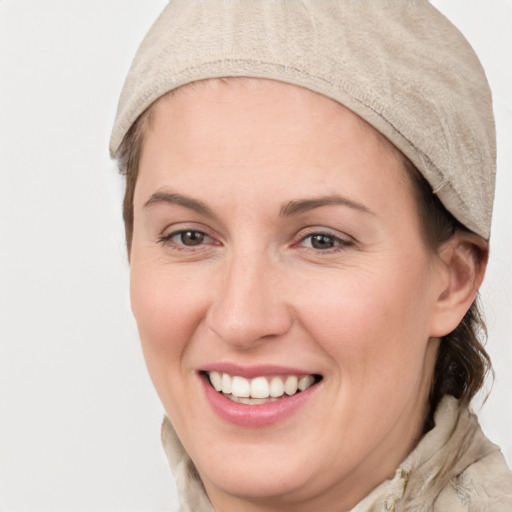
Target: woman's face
{"points": [[276, 240]]}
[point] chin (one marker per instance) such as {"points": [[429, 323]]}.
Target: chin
{"points": [[279, 485]]}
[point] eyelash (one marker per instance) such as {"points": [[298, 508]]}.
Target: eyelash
{"points": [[339, 244], [180, 246]]}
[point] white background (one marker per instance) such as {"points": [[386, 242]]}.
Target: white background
{"points": [[79, 420]]}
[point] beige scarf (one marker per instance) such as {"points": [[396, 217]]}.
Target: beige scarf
{"points": [[454, 468]]}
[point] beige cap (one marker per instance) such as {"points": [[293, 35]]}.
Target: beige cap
{"points": [[399, 64]]}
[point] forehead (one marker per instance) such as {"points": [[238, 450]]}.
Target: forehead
{"points": [[194, 96], [275, 128], [245, 86]]}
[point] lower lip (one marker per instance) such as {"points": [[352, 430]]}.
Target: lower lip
{"points": [[260, 415]]}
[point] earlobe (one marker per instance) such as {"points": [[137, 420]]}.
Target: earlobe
{"points": [[463, 261]]}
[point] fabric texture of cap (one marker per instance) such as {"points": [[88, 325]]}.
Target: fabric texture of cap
{"points": [[398, 64]]}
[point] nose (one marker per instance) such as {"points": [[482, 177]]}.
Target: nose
{"points": [[250, 306]]}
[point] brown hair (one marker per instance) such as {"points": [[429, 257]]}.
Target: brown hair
{"points": [[462, 362]]}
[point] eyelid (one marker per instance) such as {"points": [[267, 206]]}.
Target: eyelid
{"points": [[323, 230], [177, 227]]}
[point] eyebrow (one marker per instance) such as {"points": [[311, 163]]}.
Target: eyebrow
{"points": [[297, 207], [187, 202]]}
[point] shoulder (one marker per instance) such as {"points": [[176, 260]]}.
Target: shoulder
{"points": [[485, 485]]}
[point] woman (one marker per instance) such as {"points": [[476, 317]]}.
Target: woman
{"points": [[306, 304]]}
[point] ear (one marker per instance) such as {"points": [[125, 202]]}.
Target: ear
{"points": [[463, 260]]}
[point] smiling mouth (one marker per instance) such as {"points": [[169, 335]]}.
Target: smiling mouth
{"points": [[259, 390]]}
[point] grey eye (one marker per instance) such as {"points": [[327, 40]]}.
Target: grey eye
{"points": [[325, 242], [321, 241]]}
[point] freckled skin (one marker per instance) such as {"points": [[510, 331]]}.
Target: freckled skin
{"points": [[259, 290]]}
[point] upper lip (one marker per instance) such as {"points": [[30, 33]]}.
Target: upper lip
{"points": [[250, 372]]}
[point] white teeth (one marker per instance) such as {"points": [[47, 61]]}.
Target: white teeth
{"points": [[276, 387], [291, 385], [226, 383], [241, 387], [306, 382], [216, 380], [259, 389]]}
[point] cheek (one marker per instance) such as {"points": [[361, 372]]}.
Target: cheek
{"points": [[372, 326], [168, 309]]}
